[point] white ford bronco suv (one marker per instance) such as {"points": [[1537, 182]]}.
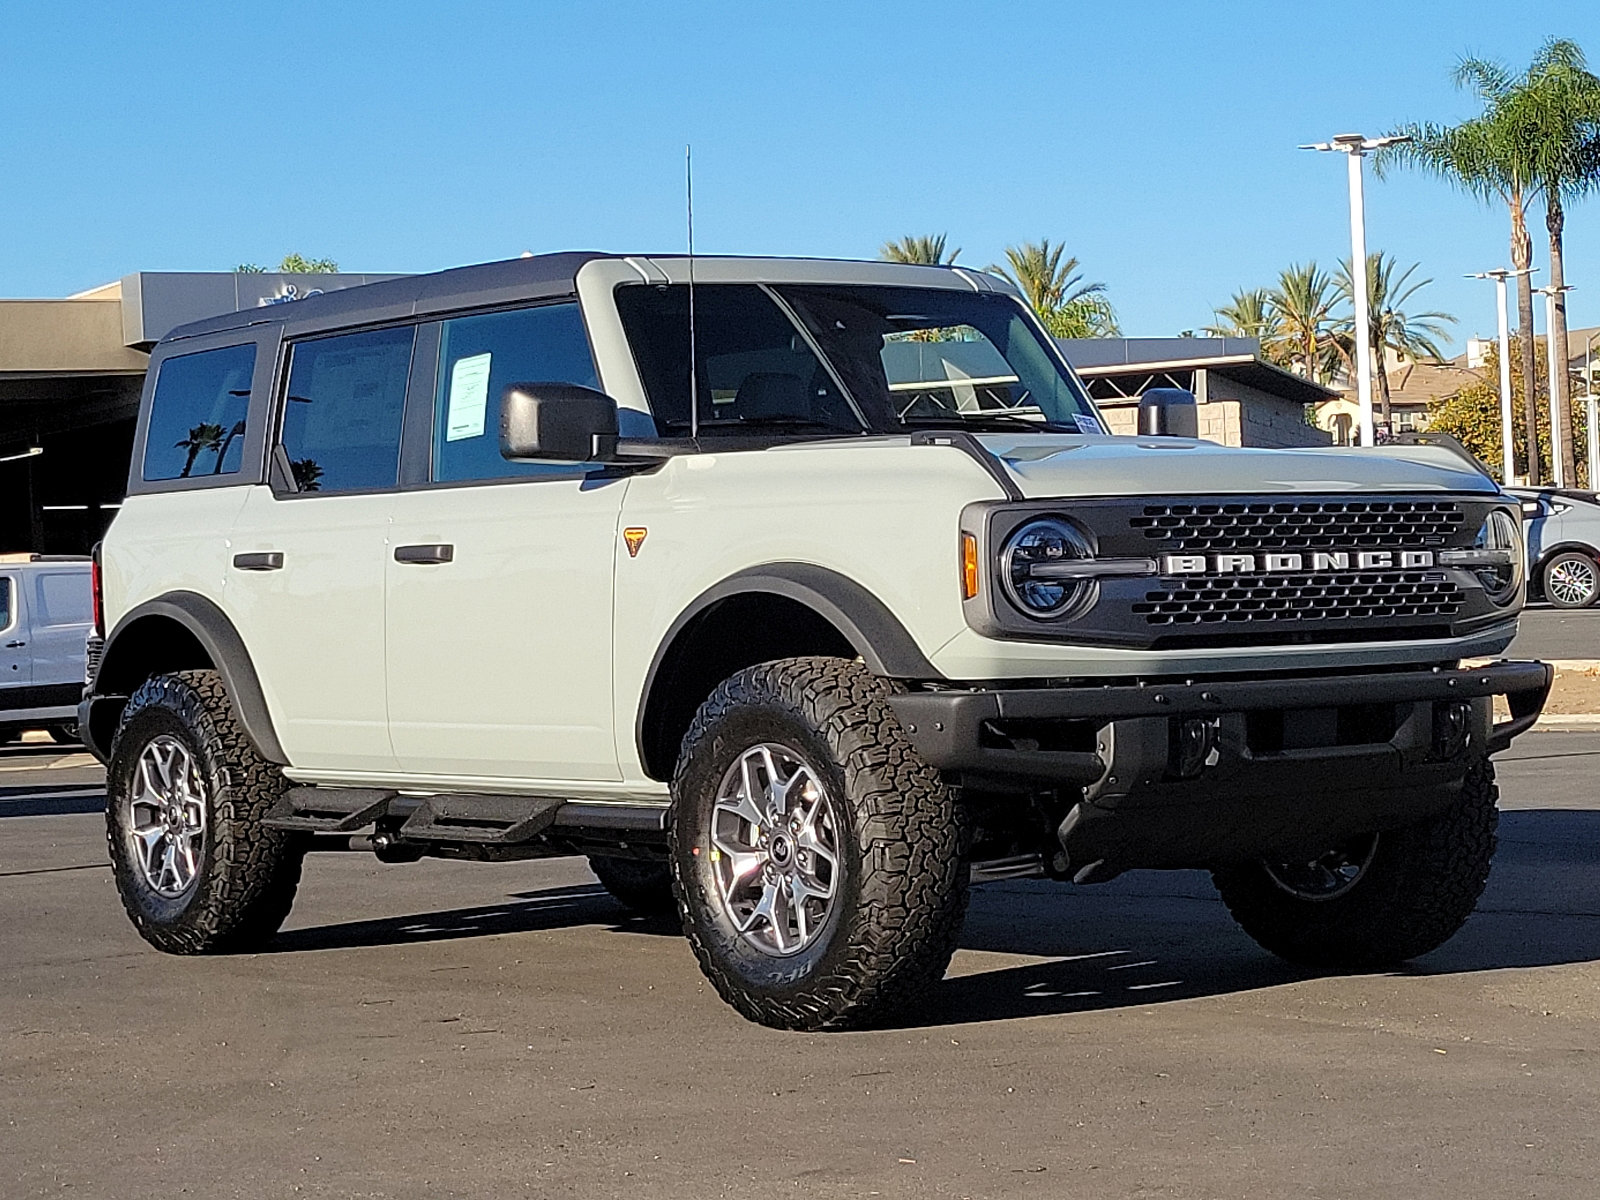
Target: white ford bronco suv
{"points": [[795, 594]]}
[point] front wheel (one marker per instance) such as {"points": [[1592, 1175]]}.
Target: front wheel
{"points": [[1378, 899], [817, 859], [186, 793], [1571, 580]]}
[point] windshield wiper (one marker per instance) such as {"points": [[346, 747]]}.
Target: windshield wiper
{"points": [[777, 422], [1003, 420]]}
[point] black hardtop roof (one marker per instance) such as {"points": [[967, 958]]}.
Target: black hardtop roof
{"points": [[535, 277]]}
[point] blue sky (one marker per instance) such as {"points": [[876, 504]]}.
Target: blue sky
{"points": [[1156, 139]]}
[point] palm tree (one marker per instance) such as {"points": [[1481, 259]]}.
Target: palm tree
{"points": [[1068, 307], [1389, 326], [1248, 315], [1302, 307], [201, 438], [1554, 114], [1486, 157], [927, 249]]}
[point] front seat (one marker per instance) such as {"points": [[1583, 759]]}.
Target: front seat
{"points": [[773, 396]]}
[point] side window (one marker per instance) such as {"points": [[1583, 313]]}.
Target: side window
{"points": [[198, 414], [6, 609], [343, 410], [64, 598], [478, 358]]}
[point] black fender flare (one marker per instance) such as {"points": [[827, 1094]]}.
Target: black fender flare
{"points": [[215, 632], [874, 632]]}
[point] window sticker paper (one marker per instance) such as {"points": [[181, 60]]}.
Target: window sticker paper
{"points": [[469, 398]]}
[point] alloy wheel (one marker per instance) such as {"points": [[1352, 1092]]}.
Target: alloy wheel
{"points": [[775, 849], [167, 815], [1573, 582], [1327, 876]]}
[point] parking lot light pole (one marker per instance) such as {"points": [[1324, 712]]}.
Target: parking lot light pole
{"points": [[1356, 147], [1550, 292], [1589, 405], [1508, 460]]}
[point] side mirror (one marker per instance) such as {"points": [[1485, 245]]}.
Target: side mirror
{"points": [[1169, 412], [560, 421]]}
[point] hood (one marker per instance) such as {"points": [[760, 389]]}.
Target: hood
{"points": [[1046, 465]]}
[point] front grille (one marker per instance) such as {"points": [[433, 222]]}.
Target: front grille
{"points": [[1283, 599], [1197, 528]]}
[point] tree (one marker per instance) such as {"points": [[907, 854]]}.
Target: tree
{"points": [[1472, 415], [1554, 114], [1535, 133], [293, 264], [927, 249], [1389, 327], [1302, 307], [1068, 307], [1248, 315], [201, 438]]}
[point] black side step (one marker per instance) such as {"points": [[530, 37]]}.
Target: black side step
{"points": [[492, 820], [329, 810]]}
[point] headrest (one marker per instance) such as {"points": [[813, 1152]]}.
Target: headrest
{"points": [[767, 394]]}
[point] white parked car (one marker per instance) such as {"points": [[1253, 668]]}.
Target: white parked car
{"points": [[45, 618], [795, 594], [1563, 544]]}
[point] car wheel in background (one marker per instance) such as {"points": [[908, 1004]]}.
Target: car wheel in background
{"points": [[65, 734], [639, 884], [1571, 579]]}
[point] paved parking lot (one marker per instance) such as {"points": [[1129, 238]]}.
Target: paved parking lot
{"points": [[1555, 633], [446, 1030]]}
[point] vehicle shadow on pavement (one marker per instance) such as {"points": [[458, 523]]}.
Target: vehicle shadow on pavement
{"points": [[523, 912]]}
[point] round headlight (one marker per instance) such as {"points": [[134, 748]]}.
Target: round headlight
{"points": [[1025, 562], [1502, 581]]}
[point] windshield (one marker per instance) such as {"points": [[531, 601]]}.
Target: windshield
{"points": [[891, 359]]}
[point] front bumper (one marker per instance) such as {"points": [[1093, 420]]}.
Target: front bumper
{"points": [[1193, 773]]}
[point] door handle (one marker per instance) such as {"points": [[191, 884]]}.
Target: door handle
{"points": [[15, 645], [262, 560], [438, 552]]}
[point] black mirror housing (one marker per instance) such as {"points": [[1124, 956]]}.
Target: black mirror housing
{"points": [[560, 421], [1169, 412]]}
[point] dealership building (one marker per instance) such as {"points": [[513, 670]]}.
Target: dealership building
{"points": [[70, 374], [71, 371]]}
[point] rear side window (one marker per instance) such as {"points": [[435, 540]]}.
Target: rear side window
{"points": [[478, 357], [6, 608], [198, 414], [343, 413], [64, 598]]}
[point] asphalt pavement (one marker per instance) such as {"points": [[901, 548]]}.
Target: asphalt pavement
{"points": [[1556, 633], [455, 1030]]}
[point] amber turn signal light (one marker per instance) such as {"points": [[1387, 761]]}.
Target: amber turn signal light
{"points": [[969, 566]]}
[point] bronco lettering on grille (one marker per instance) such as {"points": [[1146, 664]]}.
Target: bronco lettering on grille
{"points": [[1281, 563]]}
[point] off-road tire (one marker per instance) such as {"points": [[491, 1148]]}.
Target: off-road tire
{"points": [[1583, 561], [247, 875], [1422, 883], [642, 885], [901, 887]]}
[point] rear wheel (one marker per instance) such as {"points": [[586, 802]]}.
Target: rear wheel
{"points": [[1378, 899], [1571, 580], [817, 859], [186, 792], [637, 883]]}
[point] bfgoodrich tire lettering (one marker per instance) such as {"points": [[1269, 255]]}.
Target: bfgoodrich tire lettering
{"points": [[245, 874], [899, 892], [1415, 891]]}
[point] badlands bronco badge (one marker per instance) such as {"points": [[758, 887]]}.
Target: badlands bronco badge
{"points": [[1280, 563]]}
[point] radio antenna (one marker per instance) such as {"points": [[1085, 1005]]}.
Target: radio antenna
{"points": [[694, 381]]}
